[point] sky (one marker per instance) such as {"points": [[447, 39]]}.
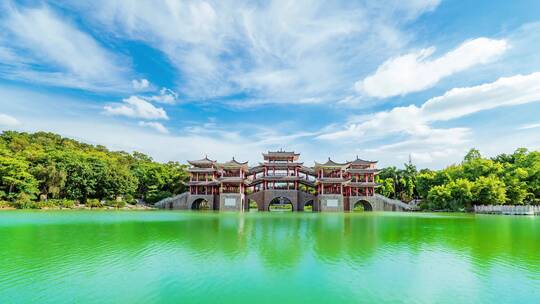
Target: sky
{"points": [[178, 80]]}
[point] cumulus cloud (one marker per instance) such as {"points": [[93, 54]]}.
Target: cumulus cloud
{"points": [[8, 121], [140, 84], [154, 125], [418, 71], [45, 48], [136, 107], [166, 96], [415, 122]]}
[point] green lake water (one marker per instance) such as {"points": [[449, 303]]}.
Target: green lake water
{"points": [[190, 257]]}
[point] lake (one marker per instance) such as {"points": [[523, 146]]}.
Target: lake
{"points": [[191, 257]]}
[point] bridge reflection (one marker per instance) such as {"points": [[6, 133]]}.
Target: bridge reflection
{"points": [[280, 241]]}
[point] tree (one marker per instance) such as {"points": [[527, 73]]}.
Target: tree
{"points": [[516, 188], [424, 182], [386, 186], [472, 155], [15, 178], [439, 198], [51, 179], [488, 190], [461, 191]]}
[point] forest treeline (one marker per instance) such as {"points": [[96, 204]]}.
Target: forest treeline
{"points": [[43, 169], [512, 179]]}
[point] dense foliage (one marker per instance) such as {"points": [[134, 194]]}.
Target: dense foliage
{"points": [[44, 168], [506, 179]]}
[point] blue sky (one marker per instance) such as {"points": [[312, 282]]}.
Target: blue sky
{"points": [[180, 79]]}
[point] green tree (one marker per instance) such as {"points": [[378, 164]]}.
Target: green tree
{"points": [[439, 198], [488, 190], [386, 187], [461, 191], [51, 179], [15, 178]]}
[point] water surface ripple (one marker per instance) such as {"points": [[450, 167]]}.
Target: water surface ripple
{"points": [[135, 257]]}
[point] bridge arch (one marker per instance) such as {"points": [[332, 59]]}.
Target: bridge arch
{"points": [[362, 205], [200, 204], [251, 205], [281, 203], [310, 205]]}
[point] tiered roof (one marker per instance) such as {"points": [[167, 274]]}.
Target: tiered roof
{"points": [[233, 164], [330, 164], [281, 155], [359, 161], [205, 162]]}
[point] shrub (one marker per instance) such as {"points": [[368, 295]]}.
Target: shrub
{"points": [[5, 204], [93, 203], [65, 203], [24, 201], [155, 196], [46, 204], [115, 203], [62, 203]]}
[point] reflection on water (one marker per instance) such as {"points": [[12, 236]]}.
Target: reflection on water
{"points": [[267, 257]]}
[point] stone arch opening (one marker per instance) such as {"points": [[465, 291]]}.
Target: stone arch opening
{"points": [[361, 206], [200, 204], [280, 204], [252, 205], [308, 206]]}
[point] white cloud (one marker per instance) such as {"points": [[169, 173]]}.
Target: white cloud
{"points": [[412, 125], [166, 96], [224, 48], [506, 91], [136, 107], [418, 71], [140, 84], [42, 47], [8, 121], [154, 125], [529, 126]]}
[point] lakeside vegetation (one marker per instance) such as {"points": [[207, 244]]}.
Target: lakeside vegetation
{"points": [[512, 179], [45, 170]]}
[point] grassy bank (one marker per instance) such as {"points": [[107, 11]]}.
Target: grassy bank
{"points": [[70, 204]]}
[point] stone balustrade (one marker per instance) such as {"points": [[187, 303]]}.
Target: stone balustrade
{"points": [[508, 209]]}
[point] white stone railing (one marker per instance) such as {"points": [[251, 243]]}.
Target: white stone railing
{"points": [[508, 209], [164, 202], [394, 202]]}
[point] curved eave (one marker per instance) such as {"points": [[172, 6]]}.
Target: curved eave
{"points": [[235, 180], [203, 183], [202, 162], [201, 170], [283, 165], [362, 184], [331, 180], [374, 171], [359, 161], [330, 164], [256, 169]]}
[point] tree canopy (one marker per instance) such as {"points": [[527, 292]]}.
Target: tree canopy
{"points": [[42, 166], [505, 179]]}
